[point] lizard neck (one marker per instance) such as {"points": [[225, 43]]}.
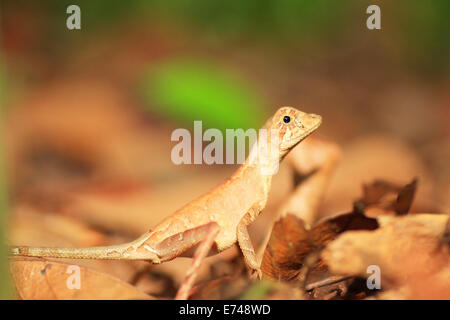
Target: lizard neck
{"points": [[257, 172], [263, 157], [255, 186], [255, 175]]}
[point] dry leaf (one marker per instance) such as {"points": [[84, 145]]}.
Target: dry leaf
{"points": [[410, 251], [47, 280], [287, 247], [378, 157], [385, 198], [290, 242]]}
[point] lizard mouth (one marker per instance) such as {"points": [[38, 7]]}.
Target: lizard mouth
{"points": [[313, 122]]}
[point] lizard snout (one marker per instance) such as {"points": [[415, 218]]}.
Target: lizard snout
{"points": [[311, 120]]}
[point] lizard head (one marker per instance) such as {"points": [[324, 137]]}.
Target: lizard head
{"points": [[293, 126]]}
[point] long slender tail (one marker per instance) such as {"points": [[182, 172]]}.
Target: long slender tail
{"points": [[110, 252], [126, 251]]}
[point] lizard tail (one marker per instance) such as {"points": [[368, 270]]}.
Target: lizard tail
{"points": [[110, 253], [126, 251]]}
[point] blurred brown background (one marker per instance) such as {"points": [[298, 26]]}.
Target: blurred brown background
{"points": [[88, 113]]}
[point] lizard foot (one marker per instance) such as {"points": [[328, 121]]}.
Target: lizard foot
{"points": [[255, 274]]}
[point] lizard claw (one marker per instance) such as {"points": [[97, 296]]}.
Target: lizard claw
{"points": [[255, 274]]}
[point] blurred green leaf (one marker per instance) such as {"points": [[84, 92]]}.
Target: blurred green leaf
{"points": [[5, 281], [419, 29], [258, 291], [424, 33], [191, 90], [281, 20]]}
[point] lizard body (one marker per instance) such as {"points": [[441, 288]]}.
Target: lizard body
{"points": [[228, 208]]}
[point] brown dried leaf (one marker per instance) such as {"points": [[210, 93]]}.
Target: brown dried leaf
{"points": [[411, 252], [287, 247], [47, 280], [378, 157], [382, 197], [290, 243], [405, 198]]}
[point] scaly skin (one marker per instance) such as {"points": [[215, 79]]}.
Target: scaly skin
{"points": [[231, 206]]}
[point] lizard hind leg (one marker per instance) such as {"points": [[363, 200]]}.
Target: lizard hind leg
{"points": [[202, 237], [181, 244]]}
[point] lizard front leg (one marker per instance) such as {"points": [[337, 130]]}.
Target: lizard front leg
{"points": [[246, 246], [317, 160]]}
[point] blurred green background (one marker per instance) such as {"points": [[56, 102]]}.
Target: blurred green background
{"points": [[230, 63], [5, 287]]}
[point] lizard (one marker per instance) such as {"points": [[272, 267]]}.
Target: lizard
{"points": [[214, 221]]}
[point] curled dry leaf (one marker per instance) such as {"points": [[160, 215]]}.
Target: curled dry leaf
{"points": [[378, 157], [384, 198], [412, 253], [48, 280], [290, 243], [287, 247]]}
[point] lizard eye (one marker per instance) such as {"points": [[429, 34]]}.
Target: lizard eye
{"points": [[286, 119]]}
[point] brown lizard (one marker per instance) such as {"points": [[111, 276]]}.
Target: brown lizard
{"points": [[214, 221]]}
